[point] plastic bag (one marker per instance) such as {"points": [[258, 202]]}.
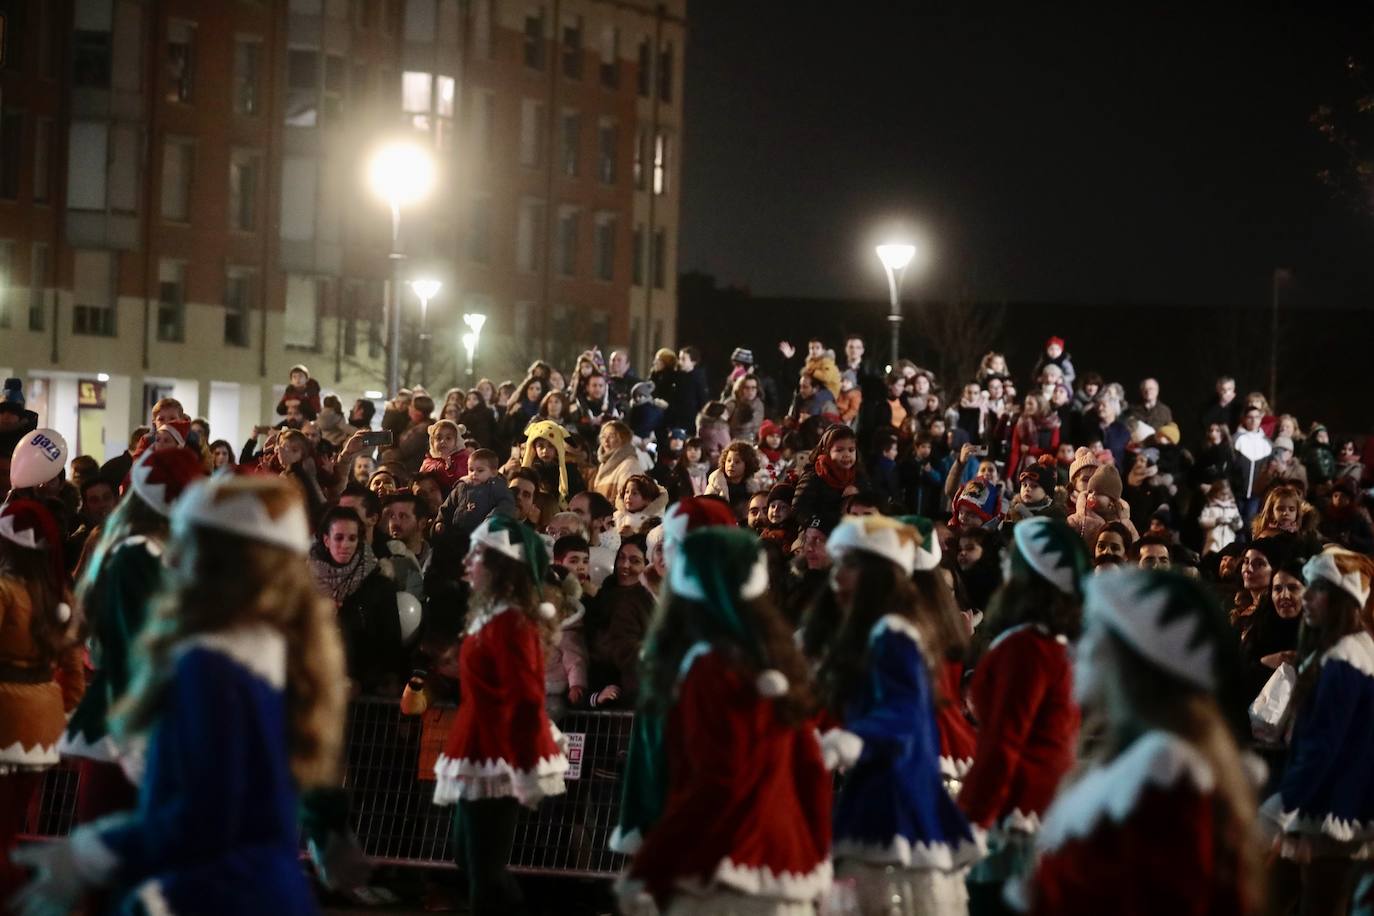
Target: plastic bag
{"points": [[1273, 708]]}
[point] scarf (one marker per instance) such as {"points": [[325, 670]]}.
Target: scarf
{"points": [[834, 475], [339, 582]]}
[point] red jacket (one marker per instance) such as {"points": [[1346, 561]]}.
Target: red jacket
{"points": [[1027, 724], [958, 739], [450, 471], [748, 801], [502, 743]]}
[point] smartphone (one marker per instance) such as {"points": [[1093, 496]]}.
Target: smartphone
{"points": [[981, 452], [377, 437]]}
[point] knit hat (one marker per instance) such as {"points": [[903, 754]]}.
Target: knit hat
{"points": [[1083, 458], [782, 492], [519, 542], [1046, 548], [677, 432], [879, 535], [179, 429], [160, 476], [1053, 341], [742, 356], [254, 507], [690, 514], [1171, 620], [642, 390], [1343, 569], [1042, 474], [1106, 482], [768, 428], [554, 434], [1171, 432], [721, 568], [984, 498], [300, 367], [13, 397], [28, 524], [1283, 442], [928, 554]]}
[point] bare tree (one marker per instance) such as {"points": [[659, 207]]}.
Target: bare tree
{"points": [[955, 335], [1348, 125]]}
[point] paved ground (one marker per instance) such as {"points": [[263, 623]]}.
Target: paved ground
{"points": [[416, 887]]}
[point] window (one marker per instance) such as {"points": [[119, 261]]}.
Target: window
{"points": [[638, 266], [181, 61], [7, 284], [94, 309], [529, 236], [244, 168], [42, 150], [641, 154], [479, 230], [335, 84], [572, 47], [301, 326], [298, 199], [571, 137], [444, 100], [610, 57], [665, 73], [420, 23], [126, 147], [126, 58], [646, 63], [177, 159], [531, 133], [660, 257], [605, 246], [359, 83], [416, 89], [239, 296], [481, 29], [534, 40], [11, 146], [171, 300], [247, 76], [302, 87], [606, 140], [91, 43], [483, 126], [38, 287], [86, 162], [662, 148], [567, 241]]}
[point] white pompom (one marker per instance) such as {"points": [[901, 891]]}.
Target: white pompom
{"points": [[64, 612], [547, 610], [771, 683]]}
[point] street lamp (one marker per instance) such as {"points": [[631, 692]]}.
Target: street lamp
{"points": [[426, 290], [474, 321], [401, 174], [895, 258]]}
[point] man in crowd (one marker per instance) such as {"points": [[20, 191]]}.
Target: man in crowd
{"points": [[1225, 409], [1151, 410], [691, 392], [622, 380], [403, 516]]}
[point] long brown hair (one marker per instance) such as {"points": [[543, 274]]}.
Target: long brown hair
{"points": [[512, 585], [1344, 616], [31, 571], [219, 581], [133, 516]]}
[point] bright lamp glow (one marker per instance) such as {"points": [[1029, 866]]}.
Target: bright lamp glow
{"points": [[470, 343], [426, 289], [102, 376], [896, 257], [374, 395], [401, 173], [474, 321]]}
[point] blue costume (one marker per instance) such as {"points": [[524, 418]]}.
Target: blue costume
{"points": [[1325, 805], [215, 831], [893, 808]]}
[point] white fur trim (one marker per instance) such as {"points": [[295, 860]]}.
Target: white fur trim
{"points": [[1294, 822], [895, 624], [841, 749], [1020, 821], [456, 780], [16, 757], [625, 843], [1128, 602], [955, 769], [900, 851], [485, 616], [1356, 650], [762, 881], [689, 658], [153, 547], [757, 583], [150, 894], [27, 538], [243, 514], [500, 541], [877, 535], [771, 683], [1111, 793], [1323, 566], [74, 744], [95, 862], [260, 648]]}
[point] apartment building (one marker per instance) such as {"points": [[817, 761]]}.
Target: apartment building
{"points": [[184, 208]]}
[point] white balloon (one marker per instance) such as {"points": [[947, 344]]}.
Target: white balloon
{"points": [[38, 458], [408, 606]]}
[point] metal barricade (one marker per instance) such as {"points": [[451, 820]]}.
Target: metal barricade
{"points": [[392, 811]]}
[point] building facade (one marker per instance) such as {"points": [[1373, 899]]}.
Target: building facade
{"points": [[184, 206]]}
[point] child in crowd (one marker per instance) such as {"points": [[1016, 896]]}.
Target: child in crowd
{"points": [[1038, 494], [692, 471], [770, 448], [480, 493], [1281, 513], [850, 399], [882, 470], [641, 502], [546, 451], [304, 389], [832, 476], [1100, 504], [1220, 518], [979, 505], [565, 658], [781, 527], [447, 458], [737, 477], [713, 428], [666, 457]]}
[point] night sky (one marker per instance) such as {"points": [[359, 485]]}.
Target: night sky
{"points": [[1048, 155]]}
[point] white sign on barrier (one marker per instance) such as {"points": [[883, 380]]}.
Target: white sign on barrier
{"points": [[576, 741]]}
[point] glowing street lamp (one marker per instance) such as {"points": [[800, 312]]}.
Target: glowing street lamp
{"points": [[425, 290], [401, 173], [895, 258], [474, 321]]}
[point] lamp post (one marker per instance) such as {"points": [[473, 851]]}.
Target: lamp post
{"points": [[474, 321], [895, 258], [400, 173], [425, 290]]}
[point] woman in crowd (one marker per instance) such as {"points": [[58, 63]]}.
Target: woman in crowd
{"points": [[502, 751], [1323, 813], [41, 675], [523, 407], [1021, 694], [345, 570], [297, 459], [1035, 433], [221, 456], [617, 620], [737, 774], [553, 407], [1257, 565], [618, 460], [240, 701], [477, 418], [1165, 783], [898, 833], [746, 410]]}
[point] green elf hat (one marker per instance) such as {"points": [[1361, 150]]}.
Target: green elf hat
{"points": [[929, 553], [1046, 548], [518, 541]]}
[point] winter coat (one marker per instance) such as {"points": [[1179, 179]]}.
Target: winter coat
{"points": [[617, 623], [636, 521], [468, 504], [450, 470], [35, 697], [614, 470], [922, 487], [334, 429], [1245, 468], [717, 485], [814, 498], [686, 397], [1220, 520], [714, 433], [745, 419], [481, 425], [565, 660], [1272, 475]]}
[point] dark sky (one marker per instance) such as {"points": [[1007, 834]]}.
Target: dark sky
{"points": [[1122, 155]]}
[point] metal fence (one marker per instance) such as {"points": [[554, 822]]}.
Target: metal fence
{"points": [[389, 757]]}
